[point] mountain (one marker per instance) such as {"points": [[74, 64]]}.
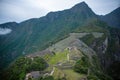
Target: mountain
{"points": [[75, 38], [36, 34], [69, 59], [112, 18], [11, 25]]}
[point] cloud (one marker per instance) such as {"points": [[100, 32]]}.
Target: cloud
{"points": [[19, 10], [5, 31]]}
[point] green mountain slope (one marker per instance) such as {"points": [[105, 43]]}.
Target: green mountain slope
{"points": [[71, 59], [112, 18], [94, 45], [37, 34]]}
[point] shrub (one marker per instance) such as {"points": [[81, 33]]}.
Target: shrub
{"points": [[18, 70], [92, 77], [82, 65]]}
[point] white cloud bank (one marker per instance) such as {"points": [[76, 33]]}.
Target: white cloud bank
{"points": [[4, 31]]}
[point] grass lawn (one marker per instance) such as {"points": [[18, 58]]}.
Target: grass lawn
{"points": [[71, 75], [58, 57], [68, 73]]}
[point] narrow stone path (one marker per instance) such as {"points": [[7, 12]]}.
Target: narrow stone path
{"points": [[52, 71]]}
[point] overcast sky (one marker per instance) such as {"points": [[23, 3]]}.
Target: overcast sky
{"points": [[19, 10]]}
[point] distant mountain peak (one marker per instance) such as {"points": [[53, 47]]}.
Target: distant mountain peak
{"points": [[82, 4], [112, 19], [84, 9]]}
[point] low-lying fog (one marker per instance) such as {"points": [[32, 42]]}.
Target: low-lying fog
{"points": [[4, 31]]}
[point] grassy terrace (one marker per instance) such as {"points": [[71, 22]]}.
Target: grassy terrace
{"points": [[57, 57], [69, 74], [61, 72]]}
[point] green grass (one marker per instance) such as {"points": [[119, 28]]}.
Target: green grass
{"points": [[58, 57], [88, 39], [58, 74], [71, 75], [68, 74]]}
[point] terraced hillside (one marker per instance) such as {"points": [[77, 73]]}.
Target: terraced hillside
{"points": [[69, 59], [67, 53], [72, 44], [37, 34]]}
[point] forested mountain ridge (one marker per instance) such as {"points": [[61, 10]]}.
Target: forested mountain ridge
{"points": [[53, 32], [112, 18], [37, 34]]}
